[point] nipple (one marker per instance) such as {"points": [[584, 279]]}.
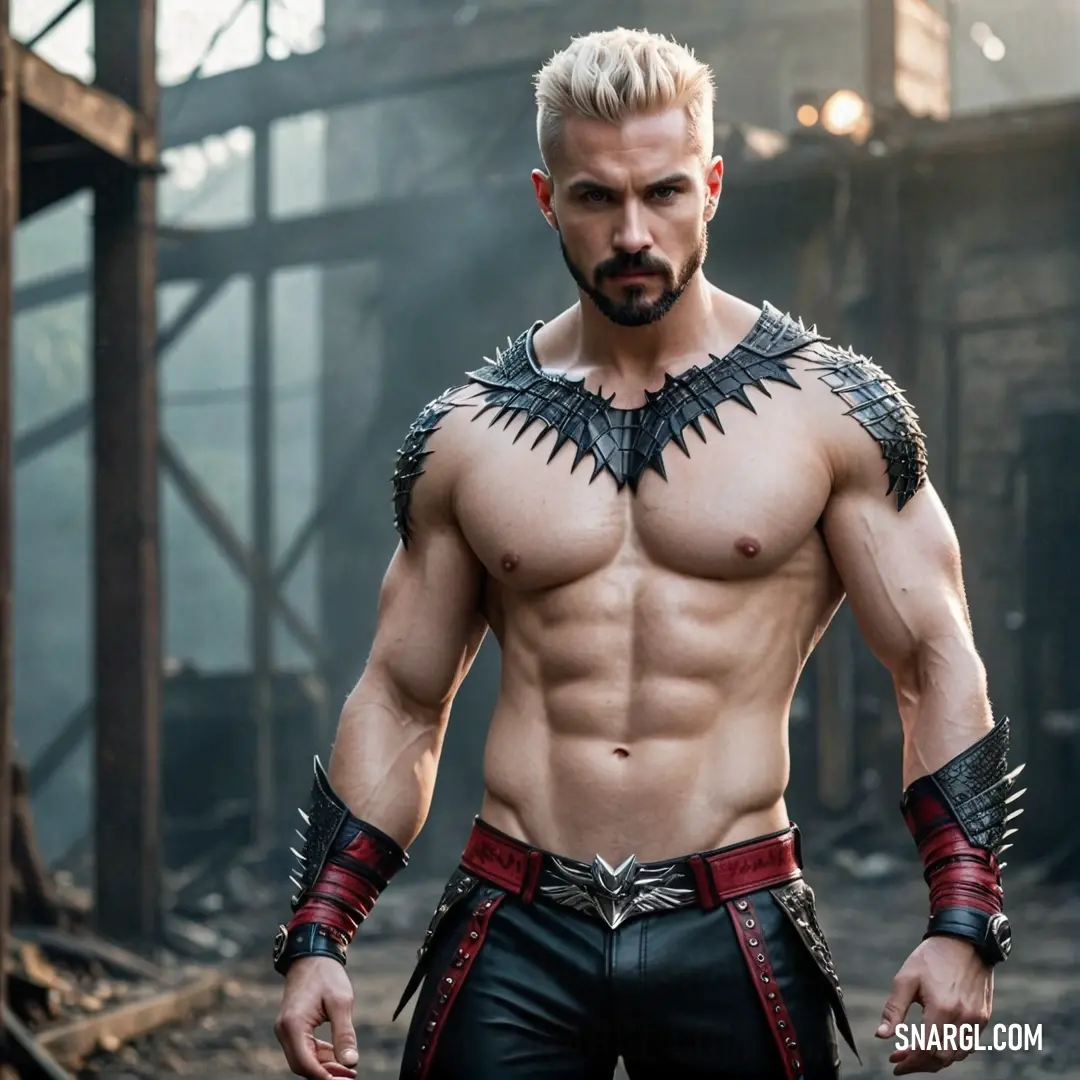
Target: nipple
{"points": [[510, 562], [748, 546]]}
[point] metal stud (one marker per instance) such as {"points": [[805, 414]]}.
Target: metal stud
{"points": [[431, 1025], [761, 958], [423, 1048], [449, 980], [753, 942], [474, 935], [764, 977], [444, 998], [771, 995], [750, 924], [742, 905], [781, 1024]]}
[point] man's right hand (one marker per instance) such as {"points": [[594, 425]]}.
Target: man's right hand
{"points": [[317, 991]]}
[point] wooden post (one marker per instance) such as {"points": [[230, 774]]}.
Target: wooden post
{"points": [[262, 498], [9, 214], [127, 617]]}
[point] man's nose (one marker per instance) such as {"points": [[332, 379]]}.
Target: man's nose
{"points": [[632, 233]]}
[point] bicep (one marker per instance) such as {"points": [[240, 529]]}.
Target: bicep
{"points": [[901, 570], [429, 626]]}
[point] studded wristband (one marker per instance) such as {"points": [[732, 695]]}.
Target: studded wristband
{"points": [[958, 817], [344, 865]]}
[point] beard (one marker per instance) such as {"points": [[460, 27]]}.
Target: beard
{"points": [[632, 309]]}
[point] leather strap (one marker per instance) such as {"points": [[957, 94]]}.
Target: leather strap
{"points": [[720, 875]]}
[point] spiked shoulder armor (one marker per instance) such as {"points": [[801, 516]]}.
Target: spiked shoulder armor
{"points": [[879, 405]]}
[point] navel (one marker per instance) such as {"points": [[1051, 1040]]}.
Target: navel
{"points": [[748, 546], [510, 562], [620, 753]]}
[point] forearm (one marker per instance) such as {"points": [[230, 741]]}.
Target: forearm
{"points": [[942, 695], [385, 756], [363, 815], [956, 790]]}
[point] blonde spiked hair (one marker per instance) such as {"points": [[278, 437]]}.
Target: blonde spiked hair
{"points": [[613, 74]]}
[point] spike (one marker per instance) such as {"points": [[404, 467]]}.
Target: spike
{"points": [[1001, 866], [1016, 795], [656, 462], [560, 442], [1015, 813], [307, 820], [296, 883], [530, 419], [738, 395], [298, 855], [1004, 847], [1008, 832], [300, 834], [582, 453]]}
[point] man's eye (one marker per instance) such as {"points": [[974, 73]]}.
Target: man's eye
{"points": [[664, 193], [595, 196]]}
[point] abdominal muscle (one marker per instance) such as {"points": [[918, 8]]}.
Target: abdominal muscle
{"points": [[647, 714]]}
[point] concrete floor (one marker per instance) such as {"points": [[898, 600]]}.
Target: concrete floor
{"points": [[871, 929]]}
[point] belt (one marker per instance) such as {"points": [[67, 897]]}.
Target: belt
{"points": [[617, 893]]}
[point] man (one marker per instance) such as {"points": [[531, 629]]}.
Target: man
{"points": [[633, 886]]}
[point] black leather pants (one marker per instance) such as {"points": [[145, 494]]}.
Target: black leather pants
{"points": [[537, 991]]}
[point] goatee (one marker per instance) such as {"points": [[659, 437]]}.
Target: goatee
{"points": [[632, 309]]}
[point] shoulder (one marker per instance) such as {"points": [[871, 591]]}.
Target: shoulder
{"points": [[436, 427], [872, 431]]}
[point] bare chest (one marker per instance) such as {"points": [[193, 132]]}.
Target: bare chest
{"points": [[739, 504]]}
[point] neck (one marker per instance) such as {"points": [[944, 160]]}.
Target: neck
{"points": [[639, 352]]}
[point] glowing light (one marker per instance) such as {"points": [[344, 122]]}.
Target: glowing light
{"points": [[994, 49], [844, 113], [981, 33], [807, 115]]}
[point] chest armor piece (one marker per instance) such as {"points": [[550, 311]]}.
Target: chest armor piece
{"points": [[626, 442]]}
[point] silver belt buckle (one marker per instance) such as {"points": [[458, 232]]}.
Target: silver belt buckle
{"points": [[615, 894]]}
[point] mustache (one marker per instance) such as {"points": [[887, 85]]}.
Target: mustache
{"points": [[626, 262]]}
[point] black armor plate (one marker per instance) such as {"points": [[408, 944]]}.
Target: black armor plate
{"points": [[797, 901], [626, 442], [978, 788]]}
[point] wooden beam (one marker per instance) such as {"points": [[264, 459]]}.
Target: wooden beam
{"points": [[381, 64], [23, 1053], [127, 645], [9, 212], [103, 120], [72, 1043], [217, 524], [48, 433]]}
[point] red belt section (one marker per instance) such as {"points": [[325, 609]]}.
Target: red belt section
{"points": [[721, 875]]}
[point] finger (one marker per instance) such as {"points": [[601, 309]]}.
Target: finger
{"points": [[919, 1061], [339, 1011], [896, 1008], [299, 1047], [324, 1051]]}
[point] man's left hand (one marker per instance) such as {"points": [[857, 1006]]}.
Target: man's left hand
{"points": [[952, 984]]}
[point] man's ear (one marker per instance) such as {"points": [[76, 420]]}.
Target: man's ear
{"points": [[544, 189], [714, 184]]}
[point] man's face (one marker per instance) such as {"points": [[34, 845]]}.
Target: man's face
{"points": [[631, 203]]}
